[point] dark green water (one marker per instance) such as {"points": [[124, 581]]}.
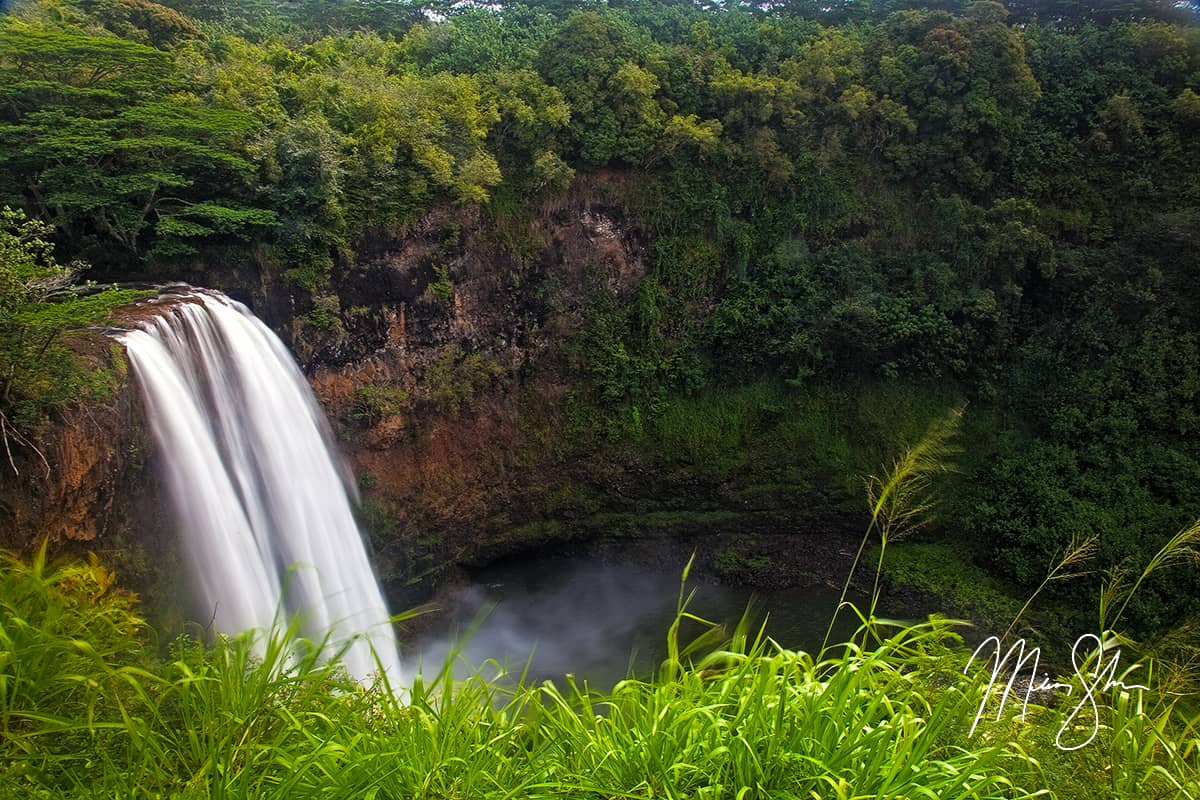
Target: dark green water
{"points": [[600, 622]]}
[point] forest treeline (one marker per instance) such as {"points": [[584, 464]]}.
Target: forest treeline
{"points": [[1005, 200]]}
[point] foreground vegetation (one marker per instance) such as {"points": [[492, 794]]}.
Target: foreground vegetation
{"points": [[90, 707]]}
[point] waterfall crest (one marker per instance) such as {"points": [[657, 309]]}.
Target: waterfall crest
{"points": [[264, 510]]}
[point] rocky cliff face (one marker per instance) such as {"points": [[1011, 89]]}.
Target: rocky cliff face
{"points": [[89, 484], [441, 355], [447, 368], [447, 372]]}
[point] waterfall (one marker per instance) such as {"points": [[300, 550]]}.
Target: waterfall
{"points": [[265, 512]]}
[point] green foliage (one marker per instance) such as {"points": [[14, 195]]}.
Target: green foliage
{"points": [[455, 378], [441, 288], [939, 569], [374, 403], [87, 709], [901, 501], [92, 140], [40, 304], [527, 138], [71, 640], [143, 20], [478, 40], [593, 59], [324, 314], [725, 432]]}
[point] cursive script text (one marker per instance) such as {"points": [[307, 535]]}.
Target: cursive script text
{"points": [[1021, 667]]}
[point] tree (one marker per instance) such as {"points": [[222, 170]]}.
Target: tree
{"points": [[39, 304], [598, 62], [94, 142]]}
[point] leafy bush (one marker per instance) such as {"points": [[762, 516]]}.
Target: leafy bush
{"points": [[375, 402], [455, 378], [40, 306]]}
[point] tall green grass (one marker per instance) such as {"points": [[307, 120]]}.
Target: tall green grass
{"points": [[89, 710]]}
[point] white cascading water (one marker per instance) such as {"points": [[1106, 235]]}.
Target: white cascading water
{"points": [[265, 511]]}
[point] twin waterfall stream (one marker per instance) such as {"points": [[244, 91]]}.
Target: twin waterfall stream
{"points": [[264, 509]]}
